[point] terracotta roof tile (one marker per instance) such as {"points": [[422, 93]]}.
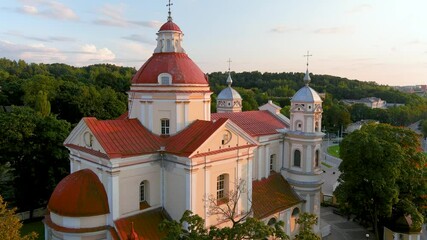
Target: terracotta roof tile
{"points": [[192, 137], [256, 123], [79, 194], [272, 195], [123, 137], [179, 65], [145, 224]]}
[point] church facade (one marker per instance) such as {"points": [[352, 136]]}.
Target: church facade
{"points": [[169, 154]]}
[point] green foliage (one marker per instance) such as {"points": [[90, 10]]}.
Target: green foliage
{"points": [[191, 226], [423, 126], [32, 144], [10, 225], [42, 105], [6, 180], [306, 222], [382, 173]]}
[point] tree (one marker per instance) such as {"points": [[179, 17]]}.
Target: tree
{"points": [[191, 226], [306, 222], [42, 105], [6, 180], [10, 225], [226, 209], [382, 173], [32, 144]]}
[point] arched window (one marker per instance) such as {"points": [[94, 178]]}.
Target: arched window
{"points": [[316, 158], [272, 162], [221, 186], [297, 158], [294, 218], [165, 126], [164, 79], [298, 126], [272, 221]]}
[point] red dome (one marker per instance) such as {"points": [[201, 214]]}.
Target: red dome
{"points": [[170, 26], [80, 194], [179, 65]]}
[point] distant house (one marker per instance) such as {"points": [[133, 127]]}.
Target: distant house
{"points": [[371, 102]]}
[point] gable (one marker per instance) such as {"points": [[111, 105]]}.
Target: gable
{"points": [[83, 139]]}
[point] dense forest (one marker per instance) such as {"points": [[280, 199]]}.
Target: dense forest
{"points": [[40, 103]]}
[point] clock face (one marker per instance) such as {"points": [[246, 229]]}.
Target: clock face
{"points": [[226, 137], [88, 139]]}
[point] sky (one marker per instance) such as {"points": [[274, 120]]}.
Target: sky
{"points": [[383, 41]]}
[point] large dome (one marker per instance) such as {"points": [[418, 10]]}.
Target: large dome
{"points": [[80, 194], [307, 95], [182, 69]]}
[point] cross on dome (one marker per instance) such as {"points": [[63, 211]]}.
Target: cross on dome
{"points": [[229, 80], [307, 73], [169, 12]]}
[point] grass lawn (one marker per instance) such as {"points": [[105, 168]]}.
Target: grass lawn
{"points": [[326, 165], [37, 227], [334, 151]]}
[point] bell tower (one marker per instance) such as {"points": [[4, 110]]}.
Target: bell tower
{"points": [[303, 145]]}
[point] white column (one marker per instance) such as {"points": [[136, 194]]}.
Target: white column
{"points": [[188, 189], [259, 162], [143, 114], [186, 113], [179, 123], [113, 193], [150, 116], [267, 160], [207, 192]]}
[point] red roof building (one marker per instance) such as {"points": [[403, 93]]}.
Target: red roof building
{"points": [[168, 154]]}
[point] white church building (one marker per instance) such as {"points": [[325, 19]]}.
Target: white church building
{"points": [[169, 153]]}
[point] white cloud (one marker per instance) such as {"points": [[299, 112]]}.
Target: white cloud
{"points": [[333, 30], [48, 9], [31, 53], [113, 15], [85, 55], [282, 29], [360, 8], [40, 39], [90, 54], [139, 38]]}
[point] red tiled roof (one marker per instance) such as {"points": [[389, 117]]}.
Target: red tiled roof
{"points": [[58, 228], [272, 195], [79, 194], [123, 137], [146, 225], [256, 123], [187, 141], [170, 26], [179, 65]]}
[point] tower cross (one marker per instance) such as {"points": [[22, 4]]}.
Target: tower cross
{"points": [[229, 64], [169, 12], [308, 55]]}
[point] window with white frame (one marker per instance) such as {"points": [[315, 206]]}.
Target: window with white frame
{"points": [[142, 191], [272, 162], [165, 126], [164, 79], [297, 158], [221, 186]]}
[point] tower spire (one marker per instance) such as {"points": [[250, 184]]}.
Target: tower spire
{"points": [[307, 73], [169, 12], [229, 80]]}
